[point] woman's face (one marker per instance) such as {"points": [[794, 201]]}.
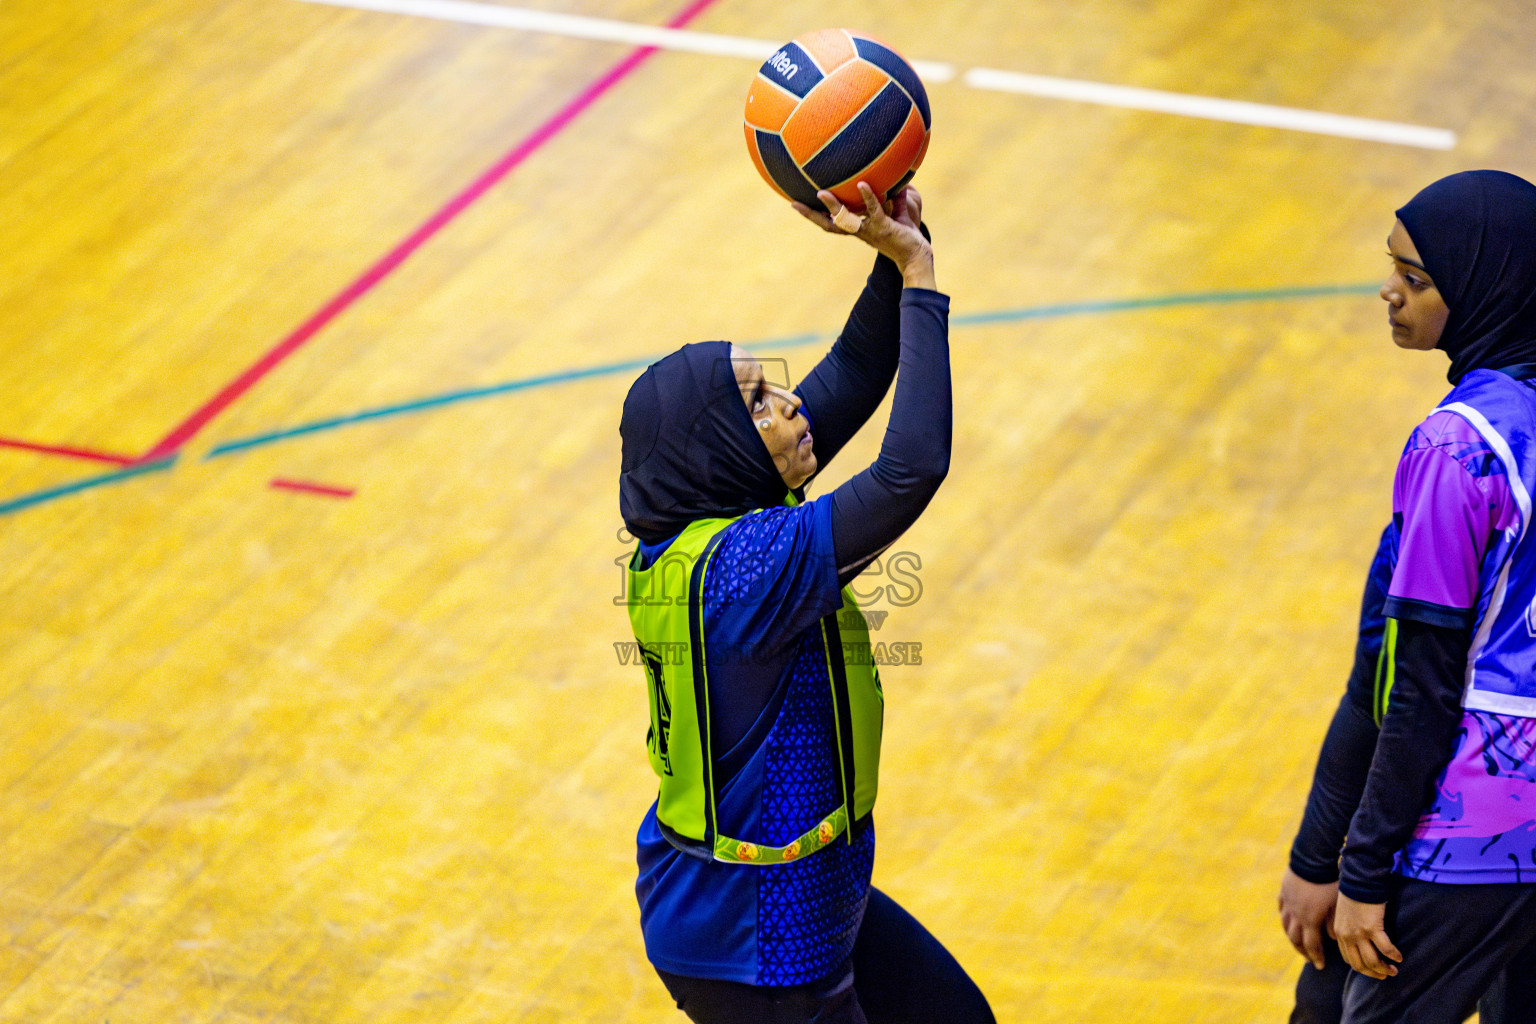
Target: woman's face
{"points": [[776, 415], [1415, 309]]}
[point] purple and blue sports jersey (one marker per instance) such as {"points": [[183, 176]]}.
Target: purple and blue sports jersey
{"points": [[1461, 502], [771, 581]]}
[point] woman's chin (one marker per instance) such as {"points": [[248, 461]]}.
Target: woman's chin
{"points": [[803, 472]]}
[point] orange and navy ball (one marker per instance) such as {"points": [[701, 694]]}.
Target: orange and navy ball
{"points": [[833, 108]]}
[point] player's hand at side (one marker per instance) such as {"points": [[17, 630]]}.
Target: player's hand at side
{"points": [[1361, 931], [893, 234], [1306, 911]]}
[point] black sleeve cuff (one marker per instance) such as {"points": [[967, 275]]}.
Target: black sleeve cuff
{"points": [[1310, 871], [1428, 613], [937, 301], [1367, 890]]}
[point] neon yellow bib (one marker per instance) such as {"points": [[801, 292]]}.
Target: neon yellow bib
{"points": [[666, 611]]}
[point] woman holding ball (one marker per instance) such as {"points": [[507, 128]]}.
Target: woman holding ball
{"points": [[755, 861]]}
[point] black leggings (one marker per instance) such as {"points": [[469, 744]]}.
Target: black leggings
{"points": [[898, 974], [1455, 940], [1320, 993]]}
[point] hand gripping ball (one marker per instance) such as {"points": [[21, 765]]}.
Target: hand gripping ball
{"points": [[832, 108]]}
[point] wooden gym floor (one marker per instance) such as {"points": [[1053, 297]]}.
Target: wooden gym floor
{"points": [[317, 324]]}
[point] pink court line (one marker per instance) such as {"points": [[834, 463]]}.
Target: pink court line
{"points": [[68, 452], [309, 488], [189, 428]]}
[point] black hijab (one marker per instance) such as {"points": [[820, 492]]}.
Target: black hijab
{"points": [[690, 449], [1476, 232]]}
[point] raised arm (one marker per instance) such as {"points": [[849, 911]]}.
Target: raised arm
{"points": [[877, 505], [850, 382]]}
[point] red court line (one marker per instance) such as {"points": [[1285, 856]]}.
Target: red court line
{"points": [[309, 488], [67, 452], [189, 428]]}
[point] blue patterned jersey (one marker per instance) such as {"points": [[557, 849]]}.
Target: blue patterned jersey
{"points": [[772, 580]]}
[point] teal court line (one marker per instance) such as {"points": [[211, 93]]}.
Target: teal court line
{"points": [[972, 320], [1162, 302], [1095, 307], [90, 482]]}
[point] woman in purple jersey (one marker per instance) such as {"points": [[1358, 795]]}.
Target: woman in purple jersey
{"points": [[1437, 876]]}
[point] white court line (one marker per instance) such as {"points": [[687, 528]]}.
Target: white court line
{"points": [[580, 27], [1184, 105], [1213, 109]]}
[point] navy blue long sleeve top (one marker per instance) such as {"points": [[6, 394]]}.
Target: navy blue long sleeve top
{"points": [[890, 329]]}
